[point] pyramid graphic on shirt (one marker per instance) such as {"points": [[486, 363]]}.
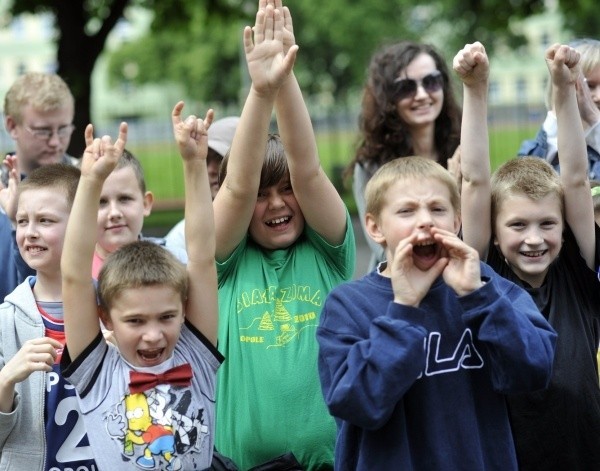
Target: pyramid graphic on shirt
{"points": [[281, 313], [265, 322]]}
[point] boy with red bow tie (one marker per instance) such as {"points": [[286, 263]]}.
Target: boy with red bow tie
{"points": [[151, 402]]}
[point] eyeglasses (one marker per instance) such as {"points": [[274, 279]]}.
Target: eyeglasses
{"points": [[407, 88], [45, 134]]}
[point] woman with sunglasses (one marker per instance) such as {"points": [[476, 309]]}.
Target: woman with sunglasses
{"points": [[408, 108]]}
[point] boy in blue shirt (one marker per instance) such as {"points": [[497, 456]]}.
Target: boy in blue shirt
{"points": [[416, 357]]}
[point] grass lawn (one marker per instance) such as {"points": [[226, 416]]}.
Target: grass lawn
{"points": [[164, 177]]}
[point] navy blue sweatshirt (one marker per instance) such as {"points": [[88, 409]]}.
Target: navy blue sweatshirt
{"points": [[424, 388]]}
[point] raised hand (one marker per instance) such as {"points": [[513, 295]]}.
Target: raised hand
{"points": [[268, 64], [562, 62], [100, 156], [191, 135], [462, 271], [35, 355], [288, 27], [8, 195], [410, 283], [471, 64]]}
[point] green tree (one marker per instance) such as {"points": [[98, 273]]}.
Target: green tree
{"points": [[202, 50], [197, 42], [82, 26]]}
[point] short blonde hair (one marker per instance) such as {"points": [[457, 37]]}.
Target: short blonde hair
{"points": [[528, 176], [139, 264], [44, 92], [404, 168]]}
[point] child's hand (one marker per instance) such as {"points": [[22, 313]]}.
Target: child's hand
{"points": [[462, 272], [562, 64], [268, 65], [8, 195], [35, 355], [191, 135], [101, 156], [471, 64], [410, 283], [288, 28]]}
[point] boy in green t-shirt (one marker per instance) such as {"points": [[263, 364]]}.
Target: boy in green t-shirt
{"points": [[284, 239]]}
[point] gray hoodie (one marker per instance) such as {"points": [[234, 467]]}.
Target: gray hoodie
{"points": [[22, 437]]}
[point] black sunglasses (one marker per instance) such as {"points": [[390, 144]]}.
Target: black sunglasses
{"points": [[407, 88]]}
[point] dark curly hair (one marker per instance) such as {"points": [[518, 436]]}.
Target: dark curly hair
{"points": [[384, 135]]}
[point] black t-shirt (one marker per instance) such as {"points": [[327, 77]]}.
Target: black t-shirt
{"points": [[559, 428]]}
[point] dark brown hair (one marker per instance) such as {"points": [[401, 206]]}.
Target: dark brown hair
{"points": [[274, 168], [384, 135]]}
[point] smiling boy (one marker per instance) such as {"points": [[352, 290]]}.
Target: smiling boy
{"points": [[124, 203], [543, 237], [415, 357], [284, 239], [40, 421], [149, 403]]}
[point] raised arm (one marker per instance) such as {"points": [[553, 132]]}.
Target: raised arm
{"points": [[82, 323], [472, 67], [202, 303], [564, 70], [8, 195], [321, 204], [268, 68]]}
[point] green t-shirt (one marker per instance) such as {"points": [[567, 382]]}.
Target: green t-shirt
{"points": [[269, 399]]}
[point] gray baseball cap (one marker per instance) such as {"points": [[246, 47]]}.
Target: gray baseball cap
{"points": [[220, 134]]}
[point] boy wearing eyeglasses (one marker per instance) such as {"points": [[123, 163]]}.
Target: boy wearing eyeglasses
{"points": [[38, 110]]}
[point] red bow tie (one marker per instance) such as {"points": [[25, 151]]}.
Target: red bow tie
{"points": [[178, 376]]}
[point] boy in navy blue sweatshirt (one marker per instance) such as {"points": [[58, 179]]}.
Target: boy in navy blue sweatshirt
{"points": [[416, 357]]}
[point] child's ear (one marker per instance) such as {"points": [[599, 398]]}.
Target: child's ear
{"points": [[148, 202], [373, 229], [105, 318], [457, 224], [11, 126]]}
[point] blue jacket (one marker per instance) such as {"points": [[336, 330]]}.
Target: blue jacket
{"points": [[538, 147]]}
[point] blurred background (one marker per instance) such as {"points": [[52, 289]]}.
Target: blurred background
{"points": [[134, 59]]}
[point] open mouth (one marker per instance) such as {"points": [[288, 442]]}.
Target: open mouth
{"points": [[151, 355], [35, 249], [278, 221], [425, 249]]}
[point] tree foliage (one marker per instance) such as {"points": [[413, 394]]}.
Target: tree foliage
{"points": [[198, 42], [82, 26]]}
